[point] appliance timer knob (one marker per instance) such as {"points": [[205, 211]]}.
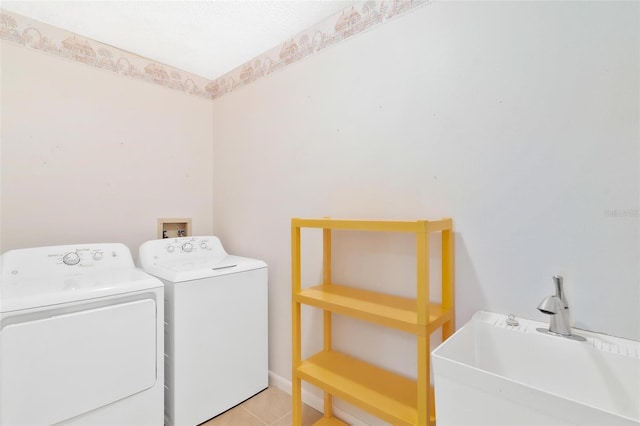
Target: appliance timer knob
{"points": [[71, 258], [97, 255], [187, 247], [170, 249], [203, 245]]}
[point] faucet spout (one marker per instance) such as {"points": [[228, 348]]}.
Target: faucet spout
{"points": [[551, 305], [557, 307], [559, 313]]}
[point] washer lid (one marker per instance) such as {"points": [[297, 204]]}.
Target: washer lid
{"points": [[33, 292], [180, 270]]}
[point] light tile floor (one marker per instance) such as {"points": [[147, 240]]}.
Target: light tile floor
{"points": [[270, 407]]}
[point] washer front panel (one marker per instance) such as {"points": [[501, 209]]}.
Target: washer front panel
{"points": [[217, 344]]}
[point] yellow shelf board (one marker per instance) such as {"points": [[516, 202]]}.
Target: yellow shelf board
{"points": [[383, 309], [330, 421], [364, 225], [387, 395]]}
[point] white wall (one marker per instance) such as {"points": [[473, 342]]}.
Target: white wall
{"points": [[517, 119], [91, 156]]}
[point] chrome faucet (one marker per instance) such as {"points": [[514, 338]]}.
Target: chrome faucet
{"points": [[557, 307]]}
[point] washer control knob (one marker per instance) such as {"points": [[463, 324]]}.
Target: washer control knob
{"points": [[97, 255], [170, 249], [203, 245], [187, 247], [71, 258]]}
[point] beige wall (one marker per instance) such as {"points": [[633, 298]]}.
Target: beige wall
{"points": [[91, 156], [518, 119]]}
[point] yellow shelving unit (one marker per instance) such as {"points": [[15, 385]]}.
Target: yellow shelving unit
{"points": [[392, 397]]}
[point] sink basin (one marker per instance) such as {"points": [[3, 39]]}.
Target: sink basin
{"points": [[492, 373]]}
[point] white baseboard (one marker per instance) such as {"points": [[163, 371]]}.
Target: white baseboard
{"points": [[313, 400]]}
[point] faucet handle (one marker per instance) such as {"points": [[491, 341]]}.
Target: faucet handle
{"points": [[559, 281]]}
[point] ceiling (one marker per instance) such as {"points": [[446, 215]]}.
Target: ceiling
{"points": [[208, 37]]}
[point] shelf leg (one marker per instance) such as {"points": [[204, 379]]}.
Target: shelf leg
{"points": [[422, 277], [327, 319], [326, 257], [422, 292], [327, 325], [296, 384], [423, 380], [296, 408], [448, 287]]}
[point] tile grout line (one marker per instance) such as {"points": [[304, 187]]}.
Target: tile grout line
{"points": [[280, 418], [250, 412]]}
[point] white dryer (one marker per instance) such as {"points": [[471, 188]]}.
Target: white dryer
{"points": [[81, 337], [216, 340]]}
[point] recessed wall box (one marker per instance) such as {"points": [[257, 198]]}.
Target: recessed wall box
{"points": [[172, 228]]}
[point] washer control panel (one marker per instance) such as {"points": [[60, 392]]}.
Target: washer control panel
{"points": [[182, 248], [67, 259], [189, 245], [85, 256], [72, 258]]}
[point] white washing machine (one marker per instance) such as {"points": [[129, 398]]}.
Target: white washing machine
{"points": [[216, 341], [81, 337]]}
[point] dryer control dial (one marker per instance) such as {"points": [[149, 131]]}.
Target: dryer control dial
{"points": [[187, 247], [203, 245], [98, 255], [170, 249], [71, 258]]}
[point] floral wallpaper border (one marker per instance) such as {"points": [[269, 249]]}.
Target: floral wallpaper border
{"points": [[37, 35], [355, 19]]}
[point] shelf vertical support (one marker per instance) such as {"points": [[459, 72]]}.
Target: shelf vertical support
{"points": [[422, 272], [296, 384], [448, 288], [422, 293], [327, 323]]}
